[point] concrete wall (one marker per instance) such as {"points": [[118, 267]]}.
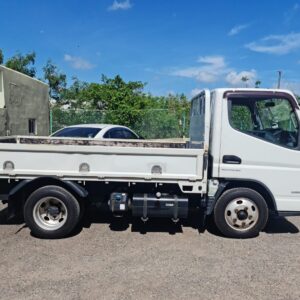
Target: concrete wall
{"points": [[25, 98]]}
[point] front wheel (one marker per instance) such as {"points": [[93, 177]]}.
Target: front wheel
{"points": [[240, 213], [51, 212]]}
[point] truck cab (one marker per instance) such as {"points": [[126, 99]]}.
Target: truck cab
{"points": [[254, 145]]}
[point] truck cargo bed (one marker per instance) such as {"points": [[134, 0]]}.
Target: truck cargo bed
{"points": [[114, 160]]}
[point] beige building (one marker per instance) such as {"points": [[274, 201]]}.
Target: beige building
{"points": [[24, 104]]}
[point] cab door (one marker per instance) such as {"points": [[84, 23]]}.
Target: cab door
{"points": [[260, 142]]}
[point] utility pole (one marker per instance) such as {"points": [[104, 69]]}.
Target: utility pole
{"points": [[279, 79]]}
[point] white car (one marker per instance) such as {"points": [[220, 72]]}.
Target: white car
{"points": [[97, 131]]}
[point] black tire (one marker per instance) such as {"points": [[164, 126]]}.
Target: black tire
{"points": [[65, 199], [260, 209]]}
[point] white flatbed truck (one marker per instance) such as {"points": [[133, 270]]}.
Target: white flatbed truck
{"points": [[241, 162]]}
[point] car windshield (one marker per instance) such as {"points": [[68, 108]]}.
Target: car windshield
{"points": [[80, 132]]}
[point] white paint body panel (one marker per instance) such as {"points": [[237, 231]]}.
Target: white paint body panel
{"points": [[181, 166], [277, 167]]}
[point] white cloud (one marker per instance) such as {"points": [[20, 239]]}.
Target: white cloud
{"points": [[78, 62], [276, 44], [216, 61], [195, 92], [210, 70], [237, 29], [119, 5], [235, 78], [214, 69]]}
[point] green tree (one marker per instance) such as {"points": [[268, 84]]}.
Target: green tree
{"points": [[165, 117], [245, 79], [56, 80], [1, 57], [73, 94], [23, 63], [110, 93], [125, 103], [257, 83]]}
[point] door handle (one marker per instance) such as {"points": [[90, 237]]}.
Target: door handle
{"points": [[232, 159]]}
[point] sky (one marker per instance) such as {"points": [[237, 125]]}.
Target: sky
{"points": [[175, 46]]}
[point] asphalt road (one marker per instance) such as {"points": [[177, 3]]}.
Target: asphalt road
{"points": [[109, 259]]}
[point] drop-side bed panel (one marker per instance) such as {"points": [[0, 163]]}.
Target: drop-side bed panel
{"points": [[31, 160]]}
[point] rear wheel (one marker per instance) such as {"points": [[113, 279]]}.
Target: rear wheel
{"points": [[241, 213], [51, 212]]}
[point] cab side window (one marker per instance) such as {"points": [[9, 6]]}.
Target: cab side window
{"points": [[272, 120], [241, 118]]}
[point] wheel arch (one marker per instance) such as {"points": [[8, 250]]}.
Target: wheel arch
{"points": [[258, 186], [19, 193]]}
